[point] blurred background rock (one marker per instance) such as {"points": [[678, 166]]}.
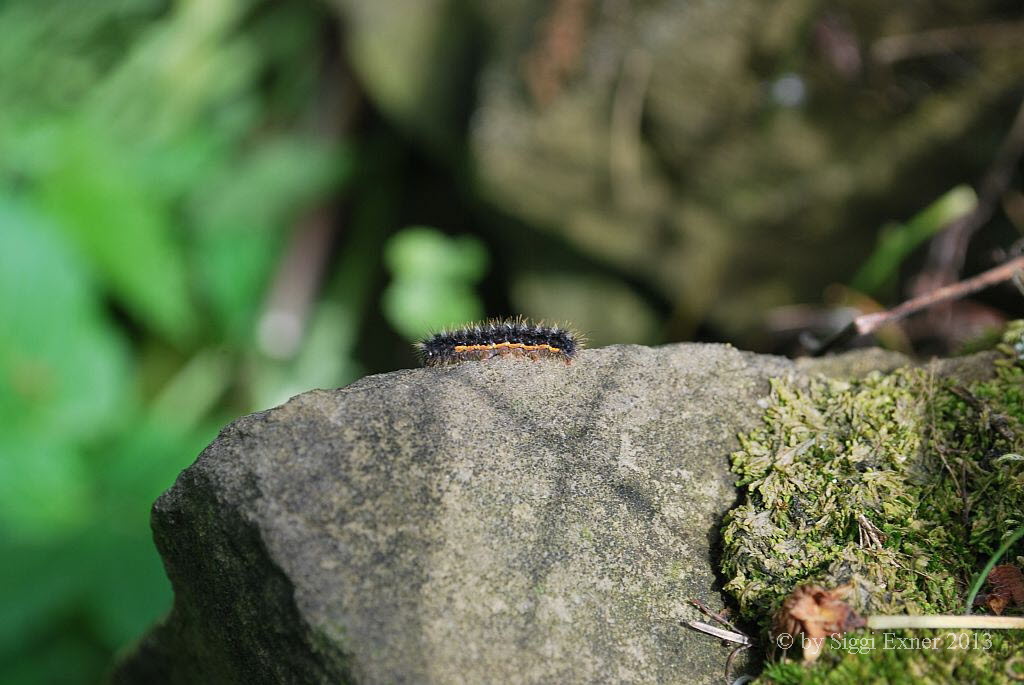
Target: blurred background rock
{"points": [[207, 206]]}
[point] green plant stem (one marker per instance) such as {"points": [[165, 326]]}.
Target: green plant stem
{"points": [[980, 580]]}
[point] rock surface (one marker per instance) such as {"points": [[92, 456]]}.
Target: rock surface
{"points": [[508, 521]]}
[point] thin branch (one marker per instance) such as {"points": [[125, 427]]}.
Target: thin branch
{"points": [[283, 321], [706, 610], [742, 641], [732, 657], [869, 323], [948, 250], [625, 144], [290, 299], [936, 42]]}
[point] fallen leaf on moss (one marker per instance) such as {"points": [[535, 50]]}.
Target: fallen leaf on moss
{"points": [[815, 613]]}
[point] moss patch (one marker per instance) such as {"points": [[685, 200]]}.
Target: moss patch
{"points": [[900, 485], [984, 658]]}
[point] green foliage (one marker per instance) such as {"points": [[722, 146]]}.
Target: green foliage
{"points": [[433, 279], [119, 225], [62, 377], [896, 241], [153, 157], [237, 218]]}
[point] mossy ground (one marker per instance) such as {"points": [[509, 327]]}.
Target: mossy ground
{"points": [[899, 485], [986, 658]]}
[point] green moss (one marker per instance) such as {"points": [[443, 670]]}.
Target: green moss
{"points": [[895, 484], [947, 657]]}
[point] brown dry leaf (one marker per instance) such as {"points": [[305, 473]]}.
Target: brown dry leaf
{"points": [[1007, 583], [815, 613], [996, 603]]}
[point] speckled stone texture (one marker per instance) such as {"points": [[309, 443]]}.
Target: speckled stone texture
{"points": [[508, 521]]}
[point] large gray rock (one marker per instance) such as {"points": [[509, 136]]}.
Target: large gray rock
{"points": [[507, 521]]}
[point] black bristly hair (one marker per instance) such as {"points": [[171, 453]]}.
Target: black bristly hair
{"points": [[499, 337]]}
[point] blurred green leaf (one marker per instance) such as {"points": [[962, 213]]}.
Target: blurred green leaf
{"points": [[417, 308], [142, 463], [42, 56], [125, 587], [425, 253], [63, 377], [433, 280], [108, 579], [239, 216], [103, 205], [63, 654], [35, 584], [128, 589], [193, 392], [897, 241], [160, 151], [112, 579], [64, 368], [44, 486], [188, 62], [322, 362]]}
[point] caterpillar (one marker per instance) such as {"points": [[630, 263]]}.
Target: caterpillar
{"points": [[515, 337]]}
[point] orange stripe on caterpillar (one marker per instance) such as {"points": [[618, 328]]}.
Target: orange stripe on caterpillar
{"points": [[499, 338], [495, 346]]}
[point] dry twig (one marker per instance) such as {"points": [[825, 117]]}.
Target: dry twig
{"points": [[742, 640], [936, 42], [949, 248], [869, 323]]}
